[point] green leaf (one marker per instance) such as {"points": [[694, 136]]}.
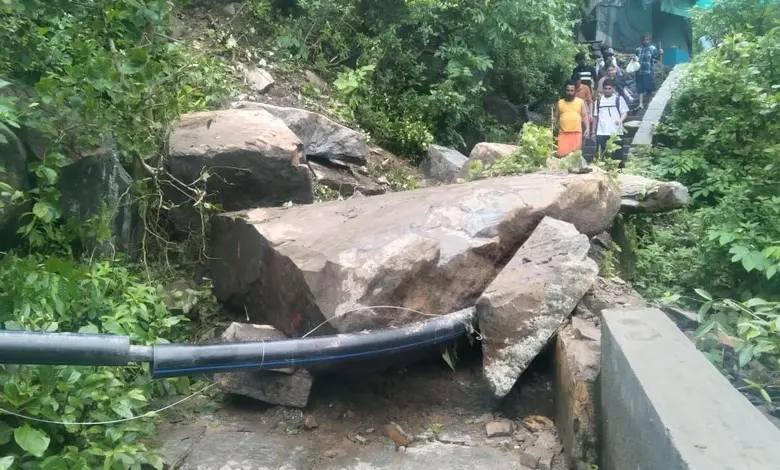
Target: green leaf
{"points": [[6, 431], [55, 462], [7, 461], [31, 440], [755, 302], [122, 409], [703, 293], [44, 211]]}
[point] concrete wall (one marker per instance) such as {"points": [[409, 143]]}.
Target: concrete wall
{"points": [[665, 407], [656, 108]]}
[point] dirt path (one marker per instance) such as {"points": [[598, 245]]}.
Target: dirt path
{"points": [[444, 412]]}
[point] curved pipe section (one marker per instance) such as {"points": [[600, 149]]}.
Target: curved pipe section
{"points": [[171, 360]]}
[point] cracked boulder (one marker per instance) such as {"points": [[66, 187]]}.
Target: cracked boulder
{"points": [[531, 298], [645, 195], [321, 136], [433, 250]]}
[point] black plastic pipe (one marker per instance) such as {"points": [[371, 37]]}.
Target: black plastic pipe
{"points": [[73, 349], [172, 360]]}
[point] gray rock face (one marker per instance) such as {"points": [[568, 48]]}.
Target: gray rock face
{"points": [[254, 159], [644, 195], [320, 136], [443, 164], [433, 249], [281, 387], [530, 298], [97, 185], [487, 153]]}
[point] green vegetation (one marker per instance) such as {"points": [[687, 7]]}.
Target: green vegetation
{"points": [[411, 72], [722, 140], [92, 69]]}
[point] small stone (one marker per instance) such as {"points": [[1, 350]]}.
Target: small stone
{"points": [[330, 453], [501, 428], [310, 422], [485, 418], [315, 80], [230, 9], [529, 459], [370, 431], [259, 80], [349, 414]]}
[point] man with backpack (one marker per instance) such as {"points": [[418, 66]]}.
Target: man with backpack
{"points": [[609, 113]]}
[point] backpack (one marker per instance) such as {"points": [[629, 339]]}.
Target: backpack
{"points": [[616, 105]]}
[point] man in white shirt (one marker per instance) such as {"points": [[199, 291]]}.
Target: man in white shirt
{"points": [[609, 112]]}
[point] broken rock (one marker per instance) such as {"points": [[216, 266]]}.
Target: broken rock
{"points": [[487, 153], [644, 195], [259, 80], [433, 249], [501, 428], [321, 136], [253, 159], [443, 164], [285, 387], [343, 179], [531, 298]]}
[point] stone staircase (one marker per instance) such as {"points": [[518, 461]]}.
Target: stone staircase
{"points": [[631, 125]]}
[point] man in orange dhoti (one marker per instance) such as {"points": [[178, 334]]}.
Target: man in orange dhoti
{"points": [[571, 115]]}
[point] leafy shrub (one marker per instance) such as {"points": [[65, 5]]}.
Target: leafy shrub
{"points": [[722, 140], [58, 294], [533, 150], [724, 144], [431, 61], [98, 68]]}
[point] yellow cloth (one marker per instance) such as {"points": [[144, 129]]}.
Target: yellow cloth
{"points": [[571, 113]]}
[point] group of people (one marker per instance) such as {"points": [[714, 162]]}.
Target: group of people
{"points": [[595, 101]]}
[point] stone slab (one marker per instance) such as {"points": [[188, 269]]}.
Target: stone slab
{"points": [[664, 406]]}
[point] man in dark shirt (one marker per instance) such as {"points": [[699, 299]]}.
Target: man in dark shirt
{"points": [[585, 73]]}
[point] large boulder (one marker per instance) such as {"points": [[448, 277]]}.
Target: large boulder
{"points": [[321, 136], [577, 367], [531, 297], [433, 249], [487, 153], [253, 158], [644, 195], [98, 186], [443, 164]]}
